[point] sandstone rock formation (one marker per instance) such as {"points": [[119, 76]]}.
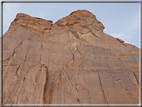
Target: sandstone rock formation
{"points": [[69, 62]]}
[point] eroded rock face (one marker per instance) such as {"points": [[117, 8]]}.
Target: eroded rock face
{"points": [[69, 62]]}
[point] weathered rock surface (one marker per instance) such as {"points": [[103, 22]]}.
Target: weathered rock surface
{"points": [[69, 62]]}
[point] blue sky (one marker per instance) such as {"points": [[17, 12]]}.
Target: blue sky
{"points": [[121, 20]]}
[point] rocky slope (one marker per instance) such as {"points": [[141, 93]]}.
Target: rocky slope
{"points": [[69, 62]]}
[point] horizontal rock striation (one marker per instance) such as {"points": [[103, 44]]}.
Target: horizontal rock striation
{"points": [[69, 62]]}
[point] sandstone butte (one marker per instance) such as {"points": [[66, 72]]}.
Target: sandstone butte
{"points": [[69, 62]]}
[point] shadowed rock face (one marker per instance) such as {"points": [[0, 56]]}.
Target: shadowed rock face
{"points": [[69, 62]]}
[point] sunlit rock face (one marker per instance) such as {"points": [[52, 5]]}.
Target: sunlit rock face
{"points": [[69, 62]]}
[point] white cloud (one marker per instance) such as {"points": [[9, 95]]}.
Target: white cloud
{"points": [[124, 37], [121, 36]]}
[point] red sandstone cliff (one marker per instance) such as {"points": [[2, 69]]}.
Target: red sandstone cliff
{"points": [[69, 62]]}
